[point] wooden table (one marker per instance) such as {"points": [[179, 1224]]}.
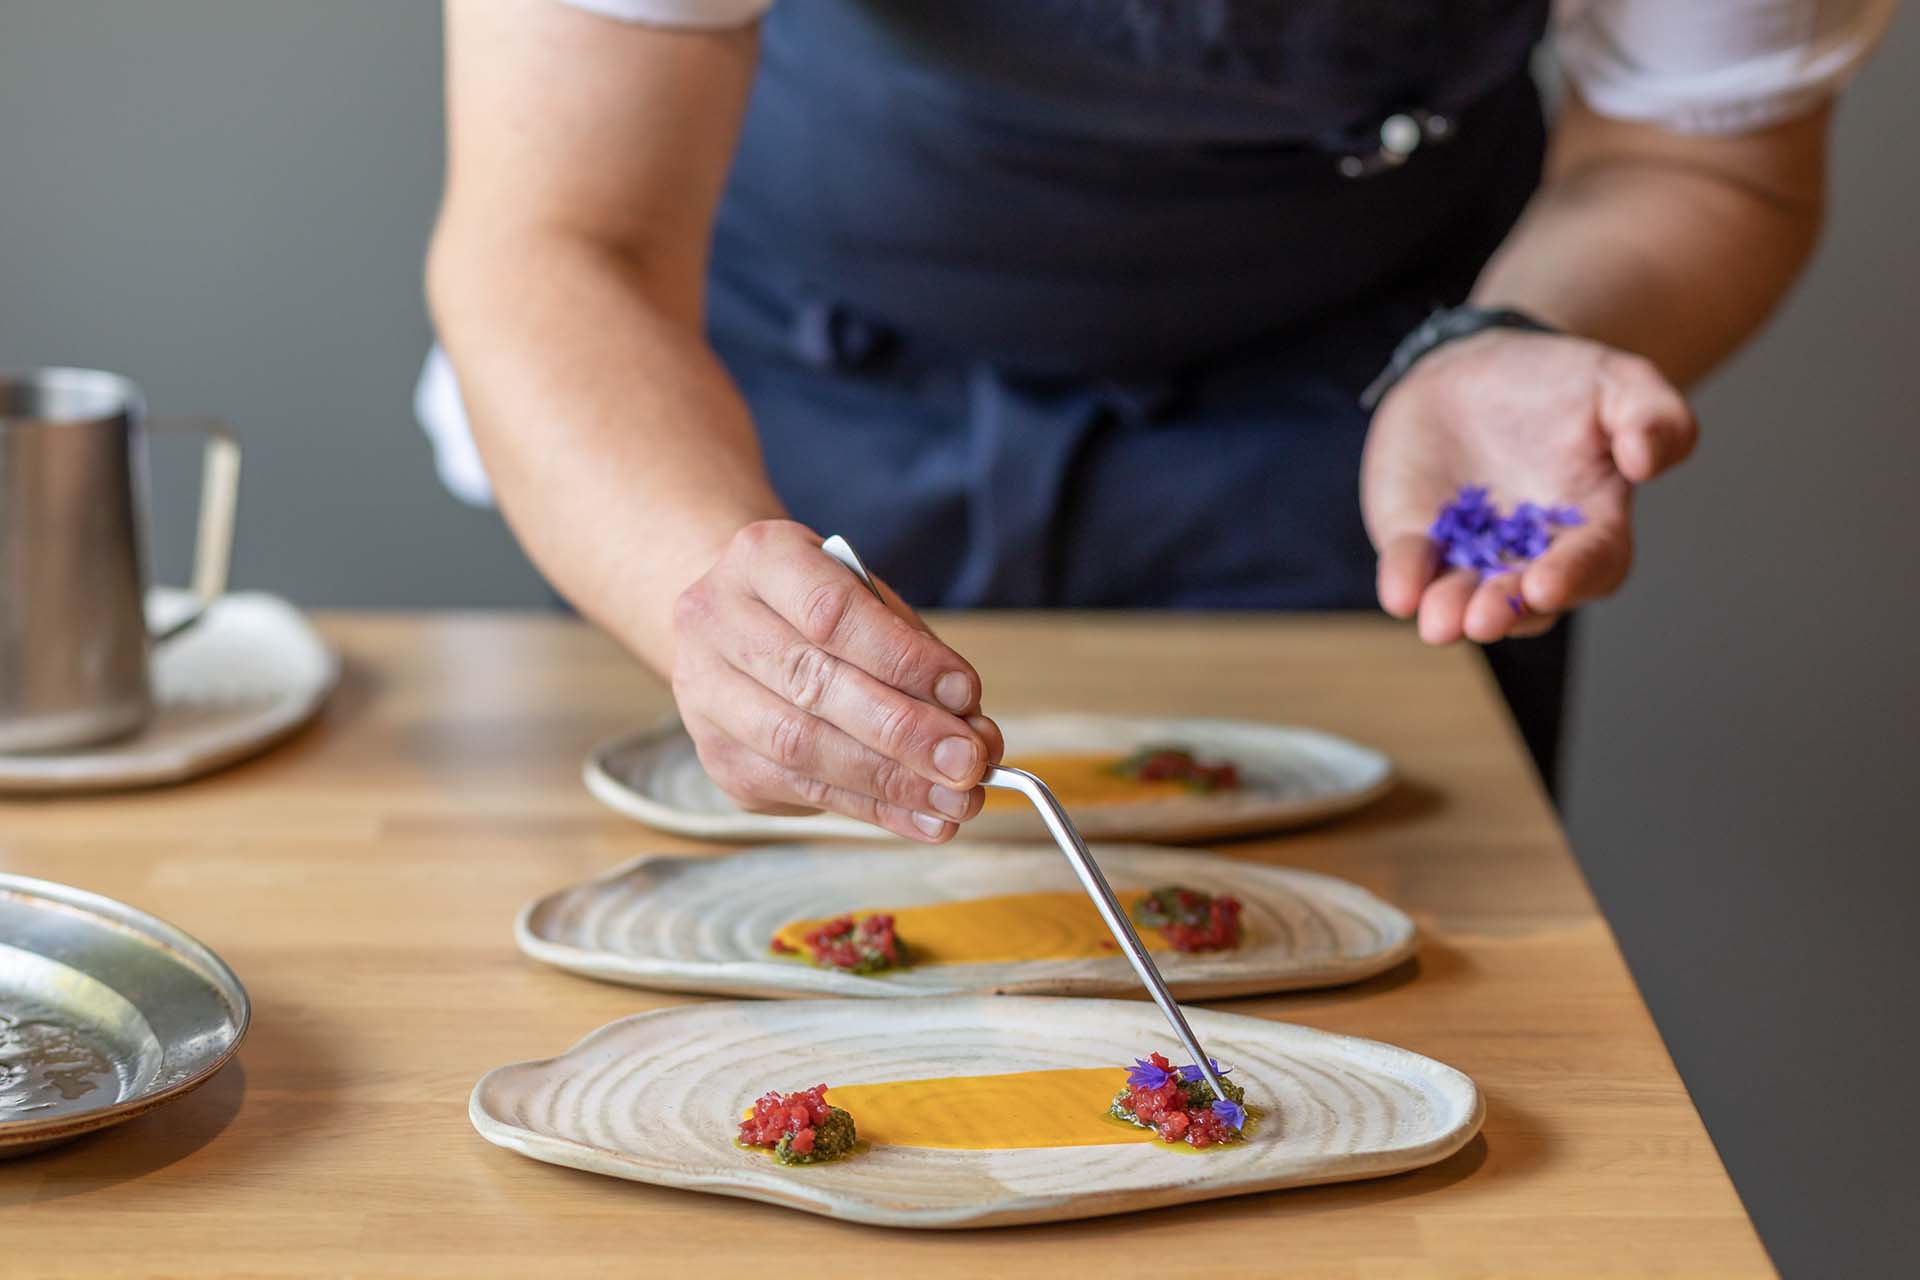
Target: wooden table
{"points": [[363, 880]]}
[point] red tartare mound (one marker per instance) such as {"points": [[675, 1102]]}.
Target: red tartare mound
{"points": [[1191, 920], [1167, 1110], [1175, 764], [860, 947], [781, 1115], [1220, 932]]}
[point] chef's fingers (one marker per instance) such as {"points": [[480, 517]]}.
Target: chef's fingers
{"points": [[726, 762], [990, 734], [1407, 564], [823, 601], [1532, 624], [1648, 424], [910, 734], [791, 758], [1495, 610], [1443, 606], [1582, 564], [812, 748]]}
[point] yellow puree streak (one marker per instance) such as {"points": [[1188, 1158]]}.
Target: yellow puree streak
{"points": [[1018, 1109], [1082, 780], [992, 1113], [1003, 929]]}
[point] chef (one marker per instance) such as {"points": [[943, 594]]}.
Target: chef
{"points": [[1204, 304]]}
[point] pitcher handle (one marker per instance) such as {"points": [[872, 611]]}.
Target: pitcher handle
{"points": [[219, 496]]}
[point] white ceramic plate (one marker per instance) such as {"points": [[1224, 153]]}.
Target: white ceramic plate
{"points": [[703, 923], [658, 1097], [1289, 777], [250, 673]]}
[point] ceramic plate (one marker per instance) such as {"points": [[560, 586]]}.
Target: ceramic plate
{"points": [[658, 1097], [105, 1013], [1289, 777], [704, 923], [250, 673]]}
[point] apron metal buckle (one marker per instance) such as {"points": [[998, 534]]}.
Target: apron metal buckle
{"points": [[1401, 134]]}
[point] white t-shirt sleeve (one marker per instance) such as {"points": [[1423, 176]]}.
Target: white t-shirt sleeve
{"points": [[1714, 66], [1697, 66], [707, 15]]}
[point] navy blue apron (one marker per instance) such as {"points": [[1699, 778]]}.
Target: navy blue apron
{"points": [[1069, 302]]}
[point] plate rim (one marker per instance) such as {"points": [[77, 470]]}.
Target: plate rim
{"points": [[1023, 1209], [648, 975], [19, 1137], [744, 827]]}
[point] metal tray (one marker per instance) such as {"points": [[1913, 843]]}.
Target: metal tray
{"points": [[105, 1013]]}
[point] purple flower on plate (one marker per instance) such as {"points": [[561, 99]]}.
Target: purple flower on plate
{"points": [[1472, 533], [1231, 1113], [1191, 1071], [1145, 1075]]}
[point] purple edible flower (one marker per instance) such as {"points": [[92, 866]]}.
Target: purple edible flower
{"points": [[1472, 534], [1192, 1071], [1144, 1075], [1565, 517], [1230, 1112]]}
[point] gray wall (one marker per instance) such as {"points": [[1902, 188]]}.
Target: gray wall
{"points": [[228, 200], [1743, 793]]}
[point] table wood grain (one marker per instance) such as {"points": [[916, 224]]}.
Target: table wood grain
{"points": [[363, 881]]}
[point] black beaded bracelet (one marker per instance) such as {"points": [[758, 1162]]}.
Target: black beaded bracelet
{"points": [[1447, 324]]}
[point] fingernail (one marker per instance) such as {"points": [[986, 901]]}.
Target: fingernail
{"points": [[955, 757], [954, 691], [928, 823], [950, 802]]}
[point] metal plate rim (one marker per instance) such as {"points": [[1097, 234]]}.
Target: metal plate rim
{"points": [[17, 1137]]}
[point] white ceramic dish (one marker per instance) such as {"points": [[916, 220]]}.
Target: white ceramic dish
{"points": [[1289, 777], [658, 1097], [704, 923], [249, 674]]}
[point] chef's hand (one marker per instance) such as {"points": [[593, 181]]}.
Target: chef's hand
{"points": [[804, 692], [1538, 418]]}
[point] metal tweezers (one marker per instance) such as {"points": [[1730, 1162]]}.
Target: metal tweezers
{"points": [[1068, 838]]}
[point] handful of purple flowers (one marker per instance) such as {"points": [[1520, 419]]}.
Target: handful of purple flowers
{"points": [[1472, 534]]}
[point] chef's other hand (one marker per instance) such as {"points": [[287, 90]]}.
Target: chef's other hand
{"points": [[1539, 418], [803, 692]]}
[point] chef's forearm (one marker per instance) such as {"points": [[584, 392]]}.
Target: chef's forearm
{"points": [[585, 159], [1677, 248], [617, 446]]}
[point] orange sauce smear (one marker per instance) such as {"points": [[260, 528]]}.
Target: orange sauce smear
{"points": [[1018, 1109], [1082, 780], [1004, 929]]}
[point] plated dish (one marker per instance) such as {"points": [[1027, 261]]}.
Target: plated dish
{"points": [[1245, 777], [661, 1097], [963, 919], [105, 1013]]}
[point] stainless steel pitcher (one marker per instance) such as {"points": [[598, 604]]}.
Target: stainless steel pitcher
{"points": [[74, 639]]}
